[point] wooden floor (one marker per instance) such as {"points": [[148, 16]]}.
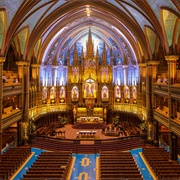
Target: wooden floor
{"points": [[71, 133]]}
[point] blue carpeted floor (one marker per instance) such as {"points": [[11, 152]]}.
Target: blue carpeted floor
{"points": [[85, 165], [142, 167]]}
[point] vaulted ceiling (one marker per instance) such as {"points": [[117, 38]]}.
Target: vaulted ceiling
{"points": [[34, 27]]}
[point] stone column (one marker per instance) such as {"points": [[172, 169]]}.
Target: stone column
{"points": [[36, 79], [23, 73], [26, 99], [173, 146], [34, 72], [171, 60], [125, 75], [142, 67], [155, 132], [2, 60], [149, 107], [154, 65], [20, 129], [54, 71]]}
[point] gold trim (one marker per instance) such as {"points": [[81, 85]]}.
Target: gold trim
{"points": [[71, 168], [172, 57], [147, 165], [97, 168], [153, 63], [35, 65], [22, 63], [142, 64]]}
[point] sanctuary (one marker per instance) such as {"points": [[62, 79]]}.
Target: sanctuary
{"points": [[94, 79]]}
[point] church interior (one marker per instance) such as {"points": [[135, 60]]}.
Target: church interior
{"points": [[90, 81]]}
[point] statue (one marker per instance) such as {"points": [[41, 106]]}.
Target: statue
{"points": [[74, 94], [52, 95], [44, 95]]}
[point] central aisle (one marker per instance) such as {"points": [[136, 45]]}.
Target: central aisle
{"points": [[84, 167]]}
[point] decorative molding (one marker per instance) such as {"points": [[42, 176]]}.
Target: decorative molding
{"points": [[35, 65], [154, 63], [172, 57], [22, 63], [142, 64]]}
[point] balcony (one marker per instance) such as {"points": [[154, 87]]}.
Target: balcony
{"points": [[11, 89], [36, 112], [175, 91], [139, 111], [162, 89], [162, 117], [10, 118]]}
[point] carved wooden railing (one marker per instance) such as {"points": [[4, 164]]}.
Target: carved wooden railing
{"points": [[139, 111], [38, 111]]}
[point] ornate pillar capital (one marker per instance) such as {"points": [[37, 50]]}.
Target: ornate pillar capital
{"points": [[35, 65], [152, 63], [2, 59], [142, 64], [124, 66], [54, 67], [22, 63], [172, 58]]}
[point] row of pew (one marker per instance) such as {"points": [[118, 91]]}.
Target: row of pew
{"points": [[8, 138], [158, 159], [54, 144], [50, 165], [11, 160], [118, 165], [46, 130]]}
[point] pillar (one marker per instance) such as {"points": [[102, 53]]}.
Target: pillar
{"points": [[23, 73], [36, 79], [125, 75], [171, 60], [155, 128], [173, 145], [149, 103], [2, 60], [142, 67], [54, 75], [155, 133]]}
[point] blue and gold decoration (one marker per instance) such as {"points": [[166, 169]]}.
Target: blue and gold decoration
{"points": [[84, 167]]}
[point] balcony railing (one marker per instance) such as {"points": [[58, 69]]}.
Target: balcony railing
{"points": [[162, 89], [138, 110], [37, 111], [11, 118], [162, 117], [11, 89]]}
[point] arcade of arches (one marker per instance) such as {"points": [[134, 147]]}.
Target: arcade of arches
{"points": [[89, 62]]}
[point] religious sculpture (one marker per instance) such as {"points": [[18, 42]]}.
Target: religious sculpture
{"points": [[44, 95]]}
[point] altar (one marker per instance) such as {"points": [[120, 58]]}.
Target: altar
{"points": [[90, 119], [86, 134]]}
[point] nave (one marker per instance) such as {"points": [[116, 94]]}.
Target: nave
{"points": [[84, 166], [95, 166]]}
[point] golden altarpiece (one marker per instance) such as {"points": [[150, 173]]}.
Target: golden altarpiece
{"points": [[89, 85]]}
